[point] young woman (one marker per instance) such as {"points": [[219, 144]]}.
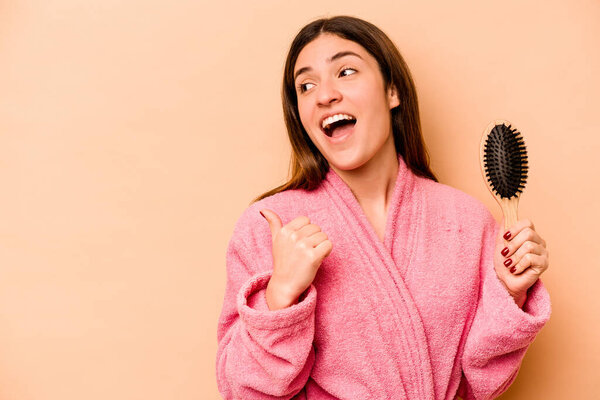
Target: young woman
{"points": [[368, 279]]}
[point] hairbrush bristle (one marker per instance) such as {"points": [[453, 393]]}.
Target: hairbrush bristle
{"points": [[505, 161]]}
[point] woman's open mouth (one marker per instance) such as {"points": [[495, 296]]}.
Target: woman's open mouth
{"points": [[338, 125]]}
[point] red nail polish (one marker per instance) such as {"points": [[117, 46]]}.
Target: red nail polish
{"points": [[504, 252], [507, 262], [513, 269], [507, 235]]}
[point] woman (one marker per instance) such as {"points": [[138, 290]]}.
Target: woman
{"points": [[369, 279]]}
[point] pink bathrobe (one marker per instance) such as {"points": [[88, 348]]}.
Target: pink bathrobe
{"points": [[421, 315]]}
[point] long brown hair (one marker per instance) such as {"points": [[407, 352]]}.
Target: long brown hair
{"points": [[308, 165]]}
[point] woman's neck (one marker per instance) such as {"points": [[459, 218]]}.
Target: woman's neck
{"points": [[373, 183]]}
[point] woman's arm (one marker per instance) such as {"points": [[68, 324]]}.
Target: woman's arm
{"points": [[501, 331], [262, 354]]}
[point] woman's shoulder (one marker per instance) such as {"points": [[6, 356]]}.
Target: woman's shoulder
{"points": [[449, 200]]}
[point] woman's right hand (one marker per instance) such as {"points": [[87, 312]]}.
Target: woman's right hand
{"points": [[299, 247]]}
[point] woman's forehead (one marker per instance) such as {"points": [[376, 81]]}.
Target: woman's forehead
{"points": [[327, 48]]}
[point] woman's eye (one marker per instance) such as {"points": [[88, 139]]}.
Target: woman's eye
{"points": [[302, 87], [348, 69]]}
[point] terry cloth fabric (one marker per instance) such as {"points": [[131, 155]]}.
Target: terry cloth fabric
{"points": [[420, 315]]}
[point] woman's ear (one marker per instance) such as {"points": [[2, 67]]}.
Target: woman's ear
{"points": [[393, 97]]}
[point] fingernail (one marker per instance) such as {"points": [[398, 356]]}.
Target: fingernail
{"points": [[507, 262], [513, 269], [261, 213], [507, 235], [505, 251]]}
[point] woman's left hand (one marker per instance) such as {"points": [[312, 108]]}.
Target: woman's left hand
{"points": [[520, 259]]}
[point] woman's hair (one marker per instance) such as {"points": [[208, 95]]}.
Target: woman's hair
{"points": [[308, 165]]}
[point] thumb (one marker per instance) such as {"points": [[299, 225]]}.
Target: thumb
{"points": [[273, 220]]}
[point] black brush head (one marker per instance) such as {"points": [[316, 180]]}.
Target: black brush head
{"points": [[505, 161]]}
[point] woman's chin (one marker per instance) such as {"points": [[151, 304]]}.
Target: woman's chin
{"points": [[346, 163]]}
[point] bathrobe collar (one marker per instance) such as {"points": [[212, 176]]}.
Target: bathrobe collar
{"points": [[393, 256], [398, 214]]}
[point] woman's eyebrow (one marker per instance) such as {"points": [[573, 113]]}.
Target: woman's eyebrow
{"points": [[332, 58]]}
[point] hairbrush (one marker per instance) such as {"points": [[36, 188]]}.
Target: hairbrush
{"points": [[504, 166]]}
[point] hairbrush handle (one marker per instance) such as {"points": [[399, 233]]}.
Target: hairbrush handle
{"points": [[509, 209]]}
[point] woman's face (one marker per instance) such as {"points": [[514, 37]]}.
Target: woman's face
{"points": [[336, 76]]}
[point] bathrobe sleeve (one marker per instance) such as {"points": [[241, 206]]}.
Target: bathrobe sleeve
{"points": [[500, 332], [262, 354]]}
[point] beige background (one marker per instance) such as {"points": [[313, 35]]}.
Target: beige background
{"points": [[134, 133]]}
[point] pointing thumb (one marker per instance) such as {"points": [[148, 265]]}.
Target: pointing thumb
{"points": [[273, 220]]}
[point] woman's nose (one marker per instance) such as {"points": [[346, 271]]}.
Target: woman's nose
{"points": [[328, 93]]}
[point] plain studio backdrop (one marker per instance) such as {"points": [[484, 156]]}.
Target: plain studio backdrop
{"points": [[134, 133]]}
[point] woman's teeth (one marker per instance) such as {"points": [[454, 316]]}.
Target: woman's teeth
{"points": [[334, 118]]}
